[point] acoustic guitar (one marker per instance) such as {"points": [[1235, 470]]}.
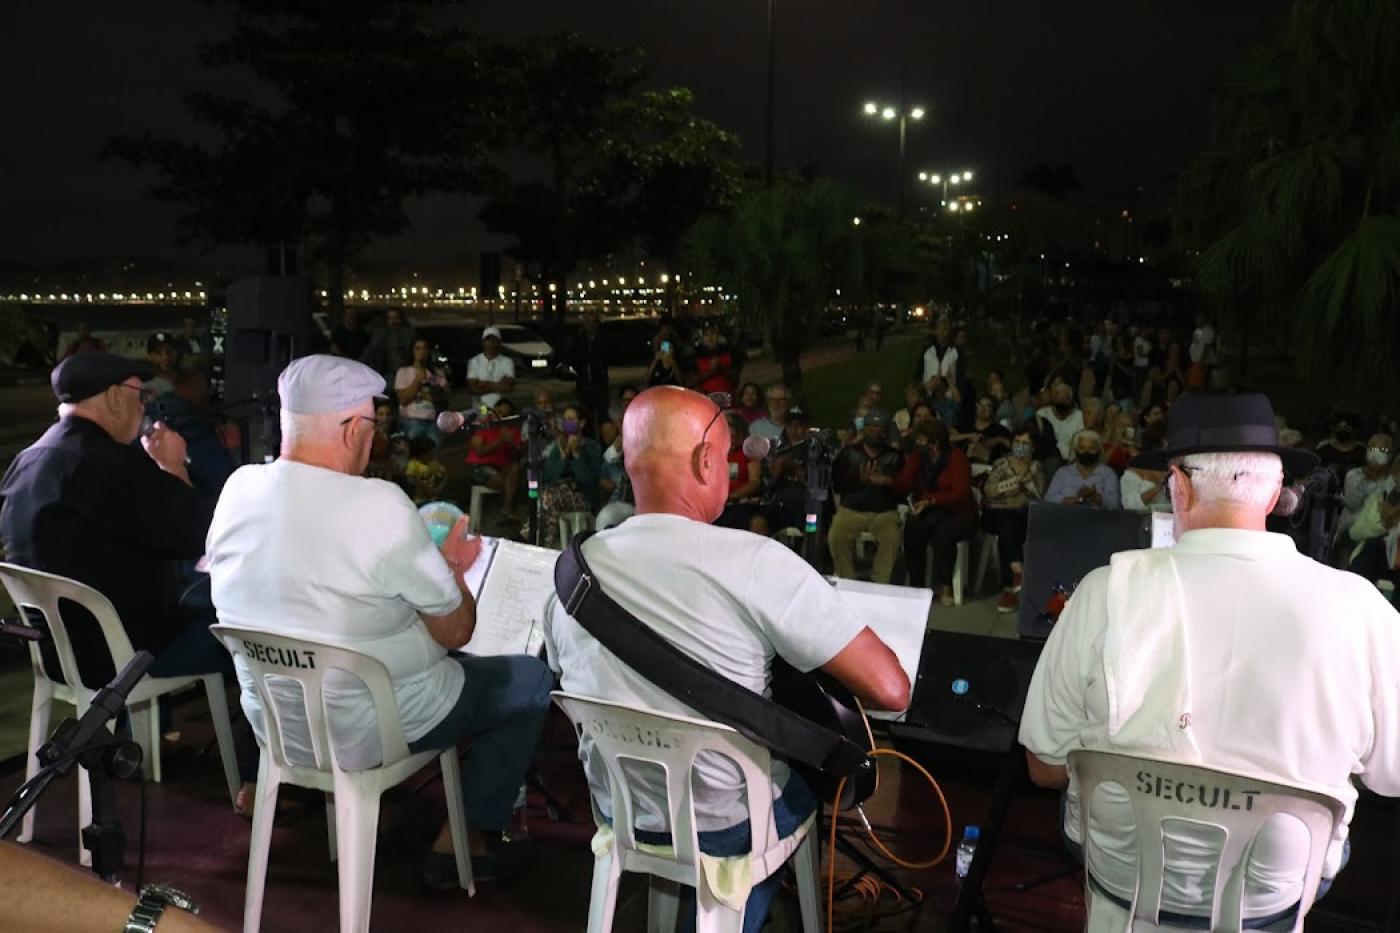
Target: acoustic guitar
{"points": [[822, 699]]}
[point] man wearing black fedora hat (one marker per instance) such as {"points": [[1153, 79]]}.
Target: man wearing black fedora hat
{"points": [[1229, 650]]}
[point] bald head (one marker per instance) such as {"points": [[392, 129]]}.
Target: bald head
{"points": [[669, 469]]}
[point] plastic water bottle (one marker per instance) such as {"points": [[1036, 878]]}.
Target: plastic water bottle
{"points": [[966, 849]]}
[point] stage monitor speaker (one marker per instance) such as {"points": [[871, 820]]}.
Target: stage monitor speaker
{"points": [[993, 675], [1063, 543]]}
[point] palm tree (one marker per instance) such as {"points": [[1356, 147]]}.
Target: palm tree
{"points": [[1295, 210], [783, 251]]}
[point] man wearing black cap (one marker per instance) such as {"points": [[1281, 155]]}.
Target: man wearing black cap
{"points": [[163, 353], [84, 502], [872, 478], [1228, 650]]}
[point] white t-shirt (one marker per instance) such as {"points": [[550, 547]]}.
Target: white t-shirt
{"points": [[308, 552], [947, 366], [1064, 428], [1202, 345], [421, 407], [1142, 352], [479, 367], [1133, 485], [766, 427], [727, 598], [1293, 674]]}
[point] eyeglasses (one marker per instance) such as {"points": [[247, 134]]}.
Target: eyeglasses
{"points": [[361, 417], [721, 399], [144, 394]]}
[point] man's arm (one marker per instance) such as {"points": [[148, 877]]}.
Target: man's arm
{"points": [[39, 895], [1055, 777], [454, 629], [869, 669]]}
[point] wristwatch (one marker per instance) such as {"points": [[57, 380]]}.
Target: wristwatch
{"points": [[152, 903]]}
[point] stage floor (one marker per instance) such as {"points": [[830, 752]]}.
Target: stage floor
{"points": [[196, 842]]}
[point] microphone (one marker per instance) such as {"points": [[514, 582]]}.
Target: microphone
{"points": [[450, 422], [756, 447], [760, 448], [1289, 499]]}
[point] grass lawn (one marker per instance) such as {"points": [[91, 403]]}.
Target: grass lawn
{"points": [[833, 390]]}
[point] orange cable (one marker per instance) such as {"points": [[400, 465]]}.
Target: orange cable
{"points": [[874, 892]]}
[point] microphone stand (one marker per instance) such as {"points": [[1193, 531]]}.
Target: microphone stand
{"points": [[819, 459], [534, 459], [87, 742]]}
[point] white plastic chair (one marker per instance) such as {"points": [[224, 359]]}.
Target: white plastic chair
{"points": [[1318, 812], [572, 523], [622, 733], [34, 589], [352, 804], [478, 493], [989, 555], [865, 538], [791, 537]]}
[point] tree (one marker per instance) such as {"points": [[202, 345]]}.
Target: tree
{"points": [[370, 104], [1295, 208], [620, 164], [783, 251]]}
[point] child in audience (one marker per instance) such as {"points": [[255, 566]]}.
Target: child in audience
{"points": [[424, 474]]}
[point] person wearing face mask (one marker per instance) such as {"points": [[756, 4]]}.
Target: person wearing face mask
{"points": [[1086, 481], [1372, 476], [1342, 451], [573, 464], [871, 477], [1015, 481], [944, 511], [1063, 418]]}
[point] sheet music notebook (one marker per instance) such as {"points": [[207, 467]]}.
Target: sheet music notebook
{"points": [[511, 586], [898, 614]]}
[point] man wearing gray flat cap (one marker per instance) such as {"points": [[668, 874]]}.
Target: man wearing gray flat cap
{"points": [[307, 547]]}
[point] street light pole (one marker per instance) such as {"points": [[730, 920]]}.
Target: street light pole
{"points": [[772, 96], [903, 114]]}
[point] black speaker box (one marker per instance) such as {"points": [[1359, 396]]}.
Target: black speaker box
{"points": [[1063, 543], [997, 673], [268, 325]]}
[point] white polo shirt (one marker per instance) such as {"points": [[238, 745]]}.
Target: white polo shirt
{"points": [[945, 366], [308, 552], [493, 370], [1287, 669], [730, 599]]}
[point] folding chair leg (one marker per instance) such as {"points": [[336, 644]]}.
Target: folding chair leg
{"points": [[150, 763], [357, 824], [223, 730], [84, 794], [663, 906], [40, 712], [602, 898], [457, 819], [330, 827], [260, 841], [805, 866]]}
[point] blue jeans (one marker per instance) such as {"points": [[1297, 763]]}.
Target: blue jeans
{"points": [[421, 427], [1185, 920], [501, 708], [790, 811]]}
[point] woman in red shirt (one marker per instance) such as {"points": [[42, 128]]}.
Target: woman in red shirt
{"points": [[494, 460], [944, 510]]}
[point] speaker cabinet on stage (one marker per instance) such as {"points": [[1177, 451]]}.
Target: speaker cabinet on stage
{"points": [[1063, 543], [996, 673], [268, 325]]}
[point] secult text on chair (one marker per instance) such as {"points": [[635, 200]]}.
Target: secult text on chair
{"points": [[625, 734], [1238, 808], [42, 593], [352, 806]]}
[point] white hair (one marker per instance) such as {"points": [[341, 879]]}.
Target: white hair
{"points": [[321, 428], [1087, 434], [1248, 478]]}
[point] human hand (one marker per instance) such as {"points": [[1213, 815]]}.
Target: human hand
{"points": [[459, 550], [921, 505], [166, 448]]}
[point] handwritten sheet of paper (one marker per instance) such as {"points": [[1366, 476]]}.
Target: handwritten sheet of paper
{"points": [[510, 604], [476, 573], [899, 615]]}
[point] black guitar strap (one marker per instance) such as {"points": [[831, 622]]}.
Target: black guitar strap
{"points": [[672, 670]]}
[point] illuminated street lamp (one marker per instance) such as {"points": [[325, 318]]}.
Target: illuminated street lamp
{"points": [[889, 113], [944, 180]]}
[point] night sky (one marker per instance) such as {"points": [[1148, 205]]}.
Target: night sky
{"points": [[1121, 89]]}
